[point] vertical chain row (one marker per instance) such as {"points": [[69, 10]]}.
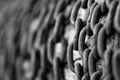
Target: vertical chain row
{"points": [[97, 44]]}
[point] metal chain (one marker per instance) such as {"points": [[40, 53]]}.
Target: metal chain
{"points": [[56, 32]]}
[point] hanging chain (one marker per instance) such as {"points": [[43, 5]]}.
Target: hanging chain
{"points": [[82, 36]]}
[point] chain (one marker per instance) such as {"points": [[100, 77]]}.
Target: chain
{"points": [[58, 31]]}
